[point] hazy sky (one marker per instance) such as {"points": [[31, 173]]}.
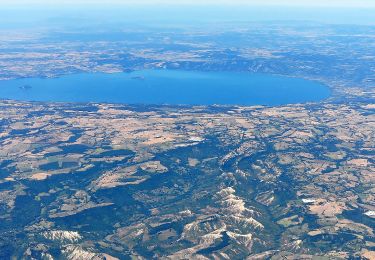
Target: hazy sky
{"points": [[334, 3]]}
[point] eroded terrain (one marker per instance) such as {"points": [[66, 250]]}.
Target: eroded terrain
{"points": [[101, 181]]}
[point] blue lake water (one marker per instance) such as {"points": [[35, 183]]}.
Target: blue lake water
{"points": [[167, 87]]}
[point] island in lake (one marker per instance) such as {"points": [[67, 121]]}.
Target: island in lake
{"points": [[25, 87]]}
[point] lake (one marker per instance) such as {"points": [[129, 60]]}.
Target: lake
{"points": [[167, 87]]}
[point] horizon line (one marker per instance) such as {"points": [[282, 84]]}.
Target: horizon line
{"points": [[183, 3]]}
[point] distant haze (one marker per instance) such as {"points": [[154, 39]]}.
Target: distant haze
{"points": [[112, 13], [324, 3]]}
